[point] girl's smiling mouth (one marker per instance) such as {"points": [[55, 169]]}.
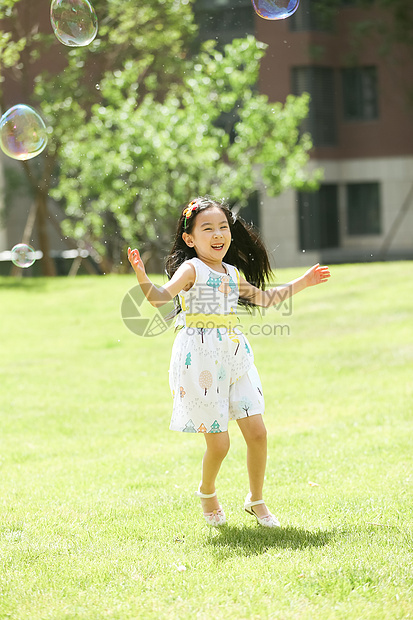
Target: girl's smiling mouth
{"points": [[218, 246]]}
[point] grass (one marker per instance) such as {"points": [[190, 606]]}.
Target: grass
{"points": [[97, 514]]}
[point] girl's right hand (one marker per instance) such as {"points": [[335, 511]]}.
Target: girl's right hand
{"points": [[136, 261]]}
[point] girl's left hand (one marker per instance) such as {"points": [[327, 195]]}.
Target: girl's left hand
{"points": [[317, 275]]}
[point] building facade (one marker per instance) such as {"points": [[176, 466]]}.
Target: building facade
{"points": [[361, 124]]}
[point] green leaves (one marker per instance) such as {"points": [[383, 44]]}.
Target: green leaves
{"points": [[6, 8], [141, 157], [9, 49]]}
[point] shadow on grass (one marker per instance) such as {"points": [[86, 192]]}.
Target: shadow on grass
{"points": [[22, 283], [249, 541]]}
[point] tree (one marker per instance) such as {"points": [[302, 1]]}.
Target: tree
{"points": [[10, 49], [221, 374], [189, 427], [13, 42], [215, 427], [131, 168], [164, 29], [245, 405], [205, 380]]}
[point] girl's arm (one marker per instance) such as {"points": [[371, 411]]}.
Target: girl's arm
{"points": [[184, 277], [273, 296]]}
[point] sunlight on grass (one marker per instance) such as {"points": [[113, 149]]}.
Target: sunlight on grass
{"points": [[97, 513]]}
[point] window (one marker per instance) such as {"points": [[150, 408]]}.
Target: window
{"points": [[318, 218], [224, 20], [319, 82], [363, 209], [360, 97], [312, 16]]}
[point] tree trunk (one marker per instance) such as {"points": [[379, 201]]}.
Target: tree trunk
{"points": [[48, 266], [41, 192], [17, 272]]}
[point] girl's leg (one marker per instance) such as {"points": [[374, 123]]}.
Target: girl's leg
{"points": [[216, 450], [255, 435]]}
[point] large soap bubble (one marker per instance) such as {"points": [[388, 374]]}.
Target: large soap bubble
{"points": [[23, 134], [74, 22], [275, 9]]}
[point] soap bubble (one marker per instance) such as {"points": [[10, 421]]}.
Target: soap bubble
{"points": [[74, 22], [23, 134], [275, 9], [23, 255]]}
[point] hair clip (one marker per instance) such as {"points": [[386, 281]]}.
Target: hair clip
{"points": [[188, 211]]}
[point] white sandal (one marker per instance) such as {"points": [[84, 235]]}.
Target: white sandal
{"points": [[267, 520], [216, 517]]}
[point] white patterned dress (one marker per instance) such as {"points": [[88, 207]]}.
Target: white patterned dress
{"points": [[212, 375]]}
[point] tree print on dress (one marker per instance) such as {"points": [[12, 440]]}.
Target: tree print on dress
{"points": [[205, 380], [221, 376], [217, 358], [245, 405], [189, 427], [215, 428]]}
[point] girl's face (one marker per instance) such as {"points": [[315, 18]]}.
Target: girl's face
{"points": [[210, 236]]}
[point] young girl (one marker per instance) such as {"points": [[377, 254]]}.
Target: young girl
{"points": [[212, 374]]}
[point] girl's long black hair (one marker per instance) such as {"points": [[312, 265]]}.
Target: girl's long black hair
{"points": [[246, 252]]}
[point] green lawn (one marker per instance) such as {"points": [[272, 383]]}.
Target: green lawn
{"points": [[97, 514]]}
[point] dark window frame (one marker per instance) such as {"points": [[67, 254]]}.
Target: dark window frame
{"points": [[308, 18], [360, 93], [363, 220], [321, 83], [224, 20], [318, 218]]}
